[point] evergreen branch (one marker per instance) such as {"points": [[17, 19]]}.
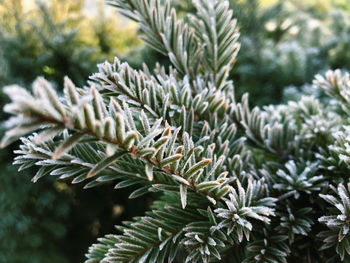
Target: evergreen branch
{"points": [[203, 242], [216, 28], [155, 96], [79, 163], [173, 101], [336, 85], [243, 206], [295, 221], [164, 32], [113, 125], [338, 223], [299, 178], [268, 248], [203, 115], [100, 128], [151, 238], [265, 132], [229, 175]]}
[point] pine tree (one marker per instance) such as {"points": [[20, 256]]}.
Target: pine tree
{"points": [[234, 184]]}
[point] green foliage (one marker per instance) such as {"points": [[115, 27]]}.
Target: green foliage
{"points": [[37, 35], [38, 42], [229, 180], [286, 43], [22, 232], [54, 39], [339, 224]]}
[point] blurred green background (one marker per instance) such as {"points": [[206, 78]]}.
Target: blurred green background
{"points": [[284, 44]]}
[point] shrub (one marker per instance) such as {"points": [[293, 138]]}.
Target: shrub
{"points": [[234, 184]]}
